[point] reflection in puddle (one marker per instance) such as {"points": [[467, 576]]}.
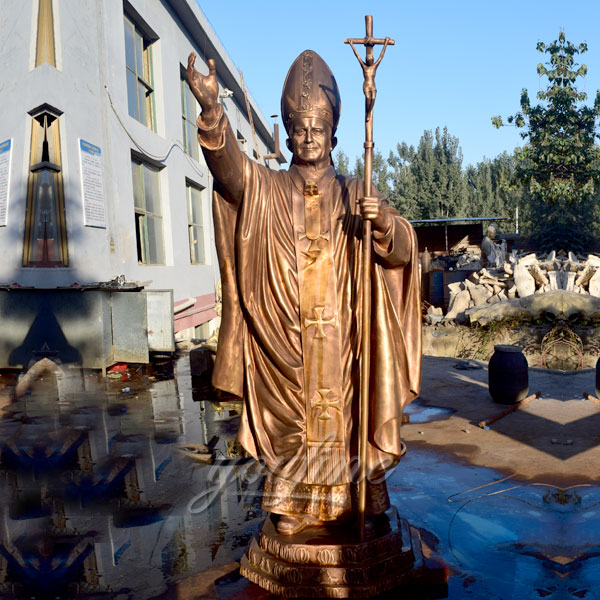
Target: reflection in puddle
{"points": [[95, 489], [119, 488], [419, 412], [503, 538]]}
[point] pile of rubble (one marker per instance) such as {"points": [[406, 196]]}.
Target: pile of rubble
{"points": [[522, 276], [468, 260]]}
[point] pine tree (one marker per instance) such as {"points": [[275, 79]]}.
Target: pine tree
{"points": [[341, 162], [403, 181], [559, 165], [449, 175], [489, 192], [381, 174]]}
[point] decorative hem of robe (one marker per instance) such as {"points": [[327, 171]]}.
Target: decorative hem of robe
{"points": [[324, 502]]}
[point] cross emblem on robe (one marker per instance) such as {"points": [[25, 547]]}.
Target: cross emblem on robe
{"points": [[324, 403], [319, 322]]}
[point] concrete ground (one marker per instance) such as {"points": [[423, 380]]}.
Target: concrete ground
{"points": [[554, 438]]}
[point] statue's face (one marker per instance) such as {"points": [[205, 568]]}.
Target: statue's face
{"points": [[311, 141]]}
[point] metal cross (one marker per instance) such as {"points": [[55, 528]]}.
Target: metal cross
{"points": [[369, 69], [369, 65], [318, 322], [324, 403]]}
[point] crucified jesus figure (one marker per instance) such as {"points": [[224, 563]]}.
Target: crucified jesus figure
{"points": [[369, 71]]}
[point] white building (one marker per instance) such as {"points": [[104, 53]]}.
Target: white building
{"points": [[100, 170]]}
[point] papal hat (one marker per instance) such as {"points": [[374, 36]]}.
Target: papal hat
{"points": [[310, 90]]}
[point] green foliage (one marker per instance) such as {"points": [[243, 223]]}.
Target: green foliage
{"points": [[381, 173], [341, 162], [552, 182], [558, 168], [489, 190], [423, 183], [403, 181], [492, 332], [429, 182], [435, 176]]}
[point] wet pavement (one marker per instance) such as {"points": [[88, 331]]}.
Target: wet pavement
{"points": [[134, 487], [501, 537], [418, 412]]}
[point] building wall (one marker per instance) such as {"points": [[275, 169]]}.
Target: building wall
{"points": [[89, 86]]}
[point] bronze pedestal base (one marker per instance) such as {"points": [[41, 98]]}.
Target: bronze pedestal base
{"points": [[332, 562]]}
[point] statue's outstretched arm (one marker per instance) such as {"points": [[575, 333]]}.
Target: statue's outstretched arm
{"points": [[219, 145]]}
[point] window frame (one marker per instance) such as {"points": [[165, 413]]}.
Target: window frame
{"points": [[189, 119], [146, 79], [193, 227], [141, 214], [241, 141]]}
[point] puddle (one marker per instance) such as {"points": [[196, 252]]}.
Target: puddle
{"points": [[420, 412], [500, 537], [99, 498], [117, 488]]}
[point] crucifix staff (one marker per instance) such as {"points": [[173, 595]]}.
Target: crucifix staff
{"points": [[369, 68]]}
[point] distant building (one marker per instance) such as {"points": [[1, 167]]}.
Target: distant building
{"points": [[100, 170]]}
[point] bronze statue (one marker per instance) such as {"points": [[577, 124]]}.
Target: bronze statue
{"points": [[290, 254]]}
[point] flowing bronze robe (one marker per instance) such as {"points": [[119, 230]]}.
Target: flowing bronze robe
{"points": [[289, 342]]}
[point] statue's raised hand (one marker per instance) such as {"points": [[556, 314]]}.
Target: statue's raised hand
{"points": [[204, 87]]}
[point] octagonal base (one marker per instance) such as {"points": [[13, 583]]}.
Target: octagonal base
{"points": [[332, 562]]}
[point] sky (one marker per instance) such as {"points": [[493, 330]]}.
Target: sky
{"points": [[454, 64]]}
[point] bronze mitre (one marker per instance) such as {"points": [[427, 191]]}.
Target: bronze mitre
{"points": [[310, 90]]}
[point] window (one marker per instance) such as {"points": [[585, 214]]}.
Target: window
{"points": [[45, 228], [195, 225], [190, 111], [148, 214], [241, 140], [44, 51], [138, 60], [202, 332]]}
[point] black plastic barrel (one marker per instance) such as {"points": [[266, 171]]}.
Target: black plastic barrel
{"points": [[436, 287], [508, 376], [598, 378]]}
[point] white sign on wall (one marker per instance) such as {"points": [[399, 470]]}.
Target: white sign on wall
{"points": [[92, 189], [5, 155]]}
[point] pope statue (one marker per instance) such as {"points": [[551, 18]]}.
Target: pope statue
{"points": [[289, 246]]}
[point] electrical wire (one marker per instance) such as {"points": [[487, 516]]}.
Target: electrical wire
{"points": [[498, 492], [540, 484], [162, 159], [157, 158]]}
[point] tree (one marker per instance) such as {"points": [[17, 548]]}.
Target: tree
{"points": [[403, 181], [428, 180], [341, 163], [449, 175], [489, 191], [559, 166], [381, 174]]}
